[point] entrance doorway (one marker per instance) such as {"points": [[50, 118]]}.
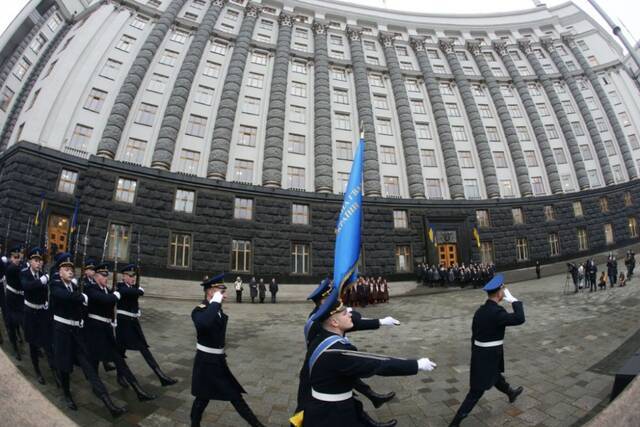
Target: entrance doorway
{"points": [[448, 254], [57, 233]]}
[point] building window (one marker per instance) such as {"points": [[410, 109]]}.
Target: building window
{"points": [[500, 159], [514, 110], [299, 89], [591, 103], [184, 201], [594, 179], [204, 95], [193, 17], [506, 91], [577, 128], [452, 109], [617, 173], [80, 139], [344, 150], [383, 126], [403, 259], [341, 96], [54, 22], [134, 151], [604, 204], [400, 219], [518, 216], [633, 142], [610, 147], [296, 144], [180, 250], [343, 180], [295, 178], [189, 161], [554, 244], [549, 213], [299, 67], [429, 158], [67, 181], [534, 90], [434, 189], [523, 133], [264, 38], [506, 188], [633, 226], [243, 171], [411, 85], [538, 185], [608, 234], [169, 58], [380, 102], [7, 96], [482, 218], [567, 183], [466, 161], [388, 155], [300, 258], [243, 208], [486, 252], [212, 70], [522, 249], [391, 186], [628, 201], [417, 107], [477, 90], [219, 47], [586, 152], [146, 114], [433, 54], [241, 256], [179, 37], [22, 68], [255, 80], [339, 74], [485, 111], [40, 40], [375, 80], [423, 131], [372, 60], [299, 214], [125, 190], [459, 134], [157, 83], [560, 156], [583, 243], [543, 110], [196, 126], [492, 133], [118, 242], [298, 114], [139, 22], [247, 136], [251, 105], [624, 119], [471, 190], [552, 133], [125, 43], [445, 89], [577, 209]]}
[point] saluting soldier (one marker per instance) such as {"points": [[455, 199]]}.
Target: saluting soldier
{"points": [[14, 299], [487, 353], [335, 365], [37, 316], [212, 379], [129, 335], [69, 344], [100, 338]]}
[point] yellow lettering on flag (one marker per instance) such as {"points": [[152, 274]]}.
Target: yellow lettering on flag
{"points": [[476, 236]]}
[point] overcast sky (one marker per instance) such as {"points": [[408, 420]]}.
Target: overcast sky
{"points": [[624, 11]]}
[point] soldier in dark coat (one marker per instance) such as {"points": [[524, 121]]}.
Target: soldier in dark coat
{"points": [[253, 289], [273, 289], [14, 300], [335, 366], [487, 353], [262, 290], [69, 345], [37, 316], [129, 334], [212, 379], [98, 329]]}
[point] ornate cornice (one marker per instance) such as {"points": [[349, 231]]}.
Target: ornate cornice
{"points": [[387, 39], [525, 46], [548, 45], [500, 47], [319, 27], [354, 33], [473, 46], [417, 44], [446, 45]]}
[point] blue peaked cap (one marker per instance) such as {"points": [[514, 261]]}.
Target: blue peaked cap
{"points": [[320, 290], [495, 283], [214, 281]]}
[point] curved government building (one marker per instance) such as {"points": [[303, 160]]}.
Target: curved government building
{"points": [[200, 136]]}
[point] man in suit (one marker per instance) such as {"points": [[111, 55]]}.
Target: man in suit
{"points": [[487, 353], [14, 299]]}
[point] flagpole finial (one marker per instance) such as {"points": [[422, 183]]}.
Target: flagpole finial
{"points": [[361, 129]]}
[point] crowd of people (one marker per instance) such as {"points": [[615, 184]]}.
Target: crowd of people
{"points": [[366, 291], [475, 274], [585, 275], [257, 289]]}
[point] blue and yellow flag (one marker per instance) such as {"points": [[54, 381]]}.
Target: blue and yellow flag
{"points": [[74, 218], [41, 208], [476, 236]]}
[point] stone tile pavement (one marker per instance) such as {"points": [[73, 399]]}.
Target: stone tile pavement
{"points": [[562, 356]]}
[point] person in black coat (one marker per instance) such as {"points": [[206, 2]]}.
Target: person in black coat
{"points": [[14, 299], [129, 334], [69, 345], [262, 290], [37, 316], [212, 379], [253, 289], [273, 290], [487, 353]]}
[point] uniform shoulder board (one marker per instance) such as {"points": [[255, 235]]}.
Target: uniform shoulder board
{"points": [[25, 269], [202, 306]]}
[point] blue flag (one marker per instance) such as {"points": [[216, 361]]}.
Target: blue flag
{"points": [[74, 218]]}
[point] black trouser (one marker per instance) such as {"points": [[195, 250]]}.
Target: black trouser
{"points": [[90, 373], [475, 394], [35, 358], [122, 368], [273, 298], [238, 296], [12, 330], [199, 405]]}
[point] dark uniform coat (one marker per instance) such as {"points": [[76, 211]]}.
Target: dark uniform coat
{"points": [[100, 337], [68, 340], [37, 322], [129, 335], [212, 378], [14, 302], [489, 323], [3, 307], [336, 371]]}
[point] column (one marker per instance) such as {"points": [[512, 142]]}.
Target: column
{"points": [[405, 118], [273, 144], [323, 152], [477, 127], [548, 159], [365, 113], [522, 172], [610, 113], [561, 115], [447, 145], [117, 120], [601, 151], [223, 127], [170, 127]]}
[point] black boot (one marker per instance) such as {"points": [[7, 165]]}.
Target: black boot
{"points": [[142, 395], [16, 353], [513, 393], [164, 379], [122, 381], [373, 423], [115, 411], [457, 420], [71, 404], [379, 399], [108, 366]]}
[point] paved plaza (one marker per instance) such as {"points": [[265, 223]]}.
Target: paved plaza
{"points": [[565, 356]]}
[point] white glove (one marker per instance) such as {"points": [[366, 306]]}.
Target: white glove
{"points": [[425, 364], [117, 294], [217, 297], [349, 309], [389, 321], [4, 259], [44, 279], [86, 299], [74, 281], [508, 297], [141, 289]]}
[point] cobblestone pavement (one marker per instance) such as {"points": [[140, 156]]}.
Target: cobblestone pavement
{"points": [[564, 356]]}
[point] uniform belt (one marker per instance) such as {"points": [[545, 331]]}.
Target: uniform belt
{"points": [[36, 306], [128, 313], [210, 350], [102, 319], [325, 397], [15, 291], [488, 343], [77, 323]]}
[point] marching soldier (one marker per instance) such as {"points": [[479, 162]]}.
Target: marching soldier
{"points": [[101, 341], [3, 307], [37, 316], [14, 299], [129, 335], [69, 344], [212, 379], [335, 365], [487, 353]]}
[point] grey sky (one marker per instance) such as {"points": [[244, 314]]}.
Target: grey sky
{"points": [[624, 10]]}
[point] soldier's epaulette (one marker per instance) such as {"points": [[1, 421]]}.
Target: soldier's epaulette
{"points": [[202, 306]]}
